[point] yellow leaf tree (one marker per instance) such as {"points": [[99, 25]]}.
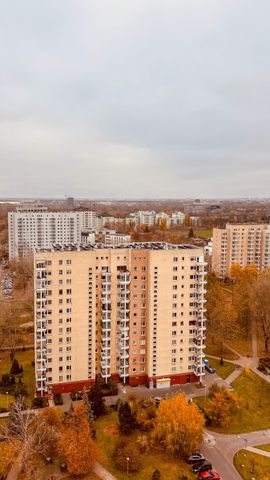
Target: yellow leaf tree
{"points": [[178, 425], [76, 442]]}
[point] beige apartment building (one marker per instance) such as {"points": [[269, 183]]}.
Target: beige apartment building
{"points": [[240, 244], [134, 314]]}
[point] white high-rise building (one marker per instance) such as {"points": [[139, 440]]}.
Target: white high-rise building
{"points": [[34, 227]]}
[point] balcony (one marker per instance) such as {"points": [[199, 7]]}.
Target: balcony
{"points": [[124, 310], [124, 356], [124, 300], [105, 300], [105, 327], [124, 280], [105, 356]]}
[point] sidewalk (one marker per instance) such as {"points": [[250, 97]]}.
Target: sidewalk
{"points": [[259, 451]]}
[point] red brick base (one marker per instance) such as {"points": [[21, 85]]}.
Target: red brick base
{"points": [[69, 386], [133, 381]]}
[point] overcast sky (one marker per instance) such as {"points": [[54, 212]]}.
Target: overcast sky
{"points": [[135, 98]]}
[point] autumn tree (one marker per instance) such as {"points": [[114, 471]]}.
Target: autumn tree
{"points": [[260, 304], [242, 281], [76, 442], [220, 406], [221, 316], [144, 410], [179, 425], [30, 437]]}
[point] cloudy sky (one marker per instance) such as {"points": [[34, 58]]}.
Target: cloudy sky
{"points": [[134, 98]]}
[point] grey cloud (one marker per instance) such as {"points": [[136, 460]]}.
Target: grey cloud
{"points": [[139, 99]]}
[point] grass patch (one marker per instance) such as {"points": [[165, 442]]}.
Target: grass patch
{"points": [[265, 448], [170, 468], [28, 376], [252, 465], [254, 412], [222, 370]]}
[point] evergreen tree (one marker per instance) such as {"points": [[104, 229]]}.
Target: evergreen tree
{"points": [[190, 233], [15, 367], [96, 401], [127, 420]]}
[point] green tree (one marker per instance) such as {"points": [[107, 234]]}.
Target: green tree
{"points": [[15, 367], [190, 233], [127, 420], [96, 400]]}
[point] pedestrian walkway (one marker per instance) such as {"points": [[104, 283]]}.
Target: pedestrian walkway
{"points": [[234, 375], [259, 451], [102, 473]]}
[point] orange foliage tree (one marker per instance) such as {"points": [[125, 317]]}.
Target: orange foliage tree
{"points": [[220, 406], [179, 425], [76, 442]]}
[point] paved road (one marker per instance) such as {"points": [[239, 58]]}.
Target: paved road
{"points": [[220, 449]]}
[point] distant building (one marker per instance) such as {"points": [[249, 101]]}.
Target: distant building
{"points": [[177, 218], [240, 244], [70, 202], [144, 218], [34, 227], [117, 238]]}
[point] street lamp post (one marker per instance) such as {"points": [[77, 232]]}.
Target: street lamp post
{"points": [[127, 465], [7, 399]]}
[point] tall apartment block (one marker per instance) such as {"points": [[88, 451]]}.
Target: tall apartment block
{"points": [[134, 314], [32, 227], [240, 244]]}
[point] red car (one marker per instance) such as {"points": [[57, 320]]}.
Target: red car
{"points": [[210, 475]]}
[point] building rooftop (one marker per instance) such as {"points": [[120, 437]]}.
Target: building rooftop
{"points": [[99, 246]]}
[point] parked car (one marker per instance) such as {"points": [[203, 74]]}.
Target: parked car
{"points": [[209, 475], [210, 369], [205, 466], [196, 458]]}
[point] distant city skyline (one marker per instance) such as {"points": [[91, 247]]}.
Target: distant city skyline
{"points": [[135, 100]]}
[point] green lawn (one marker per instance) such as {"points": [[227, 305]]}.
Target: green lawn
{"points": [[266, 447], [251, 465], [28, 377], [222, 370], [170, 468], [254, 412]]}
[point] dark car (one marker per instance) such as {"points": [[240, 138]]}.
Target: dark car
{"points": [[210, 369], [202, 467], [209, 475], [196, 458]]}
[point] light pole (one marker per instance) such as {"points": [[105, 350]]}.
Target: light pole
{"points": [[7, 399], [127, 465]]}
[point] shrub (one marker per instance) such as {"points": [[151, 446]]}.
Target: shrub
{"points": [[124, 450], [58, 400], [20, 390], [40, 402], [143, 443], [7, 380], [156, 475], [3, 410]]}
